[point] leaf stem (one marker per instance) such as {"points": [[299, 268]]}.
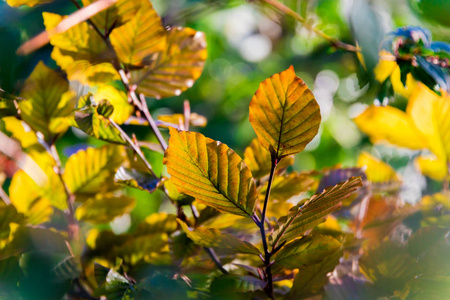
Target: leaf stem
{"points": [[215, 259], [333, 41], [267, 254], [4, 196]]}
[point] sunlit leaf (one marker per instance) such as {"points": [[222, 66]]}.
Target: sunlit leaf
{"points": [[436, 210], [176, 69], [307, 214], [116, 15], [375, 169], [213, 238], [21, 132], [210, 172], [158, 222], [287, 186], [258, 160], [144, 35], [137, 179], [92, 170], [116, 287], [30, 3], [175, 195], [118, 99], [284, 114], [432, 167], [104, 208], [195, 120], [45, 101], [141, 248], [310, 279], [305, 251]]}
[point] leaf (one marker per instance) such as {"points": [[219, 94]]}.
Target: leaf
{"points": [[30, 200], [116, 15], [284, 114], [176, 69], [140, 248], [232, 284], [310, 279], [137, 179], [115, 287], [45, 102], [67, 269], [259, 161], [118, 99], [307, 214], [104, 208], [105, 109], [8, 104], [144, 35], [30, 3], [308, 250], [181, 246], [158, 223], [287, 186], [9, 217], [174, 195], [92, 170], [195, 120], [213, 238], [376, 170], [210, 172]]}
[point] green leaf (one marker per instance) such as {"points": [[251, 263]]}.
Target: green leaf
{"points": [[141, 248], [181, 246], [46, 102], [118, 99], [158, 223], [305, 251], [104, 208], [287, 186], [9, 216], [10, 274], [227, 284], [68, 269], [176, 69], [307, 214], [144, 35], [258, 160], [115, 287], [8, 104], [92, 123], [92, 170], [104, 108], [210, 172], [136, 179], [310, 279], [213, 238], [284, 114], [30, 3]]}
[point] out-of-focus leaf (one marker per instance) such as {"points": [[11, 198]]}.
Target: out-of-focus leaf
{"points": [[311, 279], [213, 238], [431, 74], [45, 101], [30, 3], [375, 169], [68, 269], [307, 214], [104, 108], [158, 222], [103, 208], [436, 210], [144, 35], [141, 248], [431, 166], [92, 170], [284, 114], [30, 200], [10, 274], [305, 251], [81, 53], [116, 287], [258, 160], [181, 246], [21, 132], [118, 99], [9, 217], [232, 284], [137, 179], [116, 15], [8, 104], [287, 186], [195, 120], [176, 69], [211, 172]]}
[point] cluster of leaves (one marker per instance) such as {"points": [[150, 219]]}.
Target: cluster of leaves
{"points": [[247, 228]]}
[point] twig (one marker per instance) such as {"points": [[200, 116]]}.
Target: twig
{"points": [[152, 123], [333, 41], [4, 196], [215, 259], [267, 254]]}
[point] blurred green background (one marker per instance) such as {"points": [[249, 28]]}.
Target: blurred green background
{"points": [[248, 42]]}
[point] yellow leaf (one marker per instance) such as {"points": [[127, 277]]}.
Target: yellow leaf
{"points": [[385, 67], [144, 35], [432, 167], [92, 170], [175, 69], [118, 99], [45, 101], [390, 124], [103, 208], [27, 197], [258, 160], [210, 172], [21, 132], [195, 120], [284, 114], [375, 169], [30, 3], [397, 85]]}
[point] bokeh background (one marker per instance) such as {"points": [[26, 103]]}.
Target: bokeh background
{"points": [[248, 42]]}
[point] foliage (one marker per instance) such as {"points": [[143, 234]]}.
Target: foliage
{"points": [[75, 220]]}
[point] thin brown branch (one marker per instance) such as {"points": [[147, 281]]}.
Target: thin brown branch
{"points": [[4, 196]]}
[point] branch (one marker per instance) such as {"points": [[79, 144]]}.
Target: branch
{"points": [[333, 41], [4, 196]]}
